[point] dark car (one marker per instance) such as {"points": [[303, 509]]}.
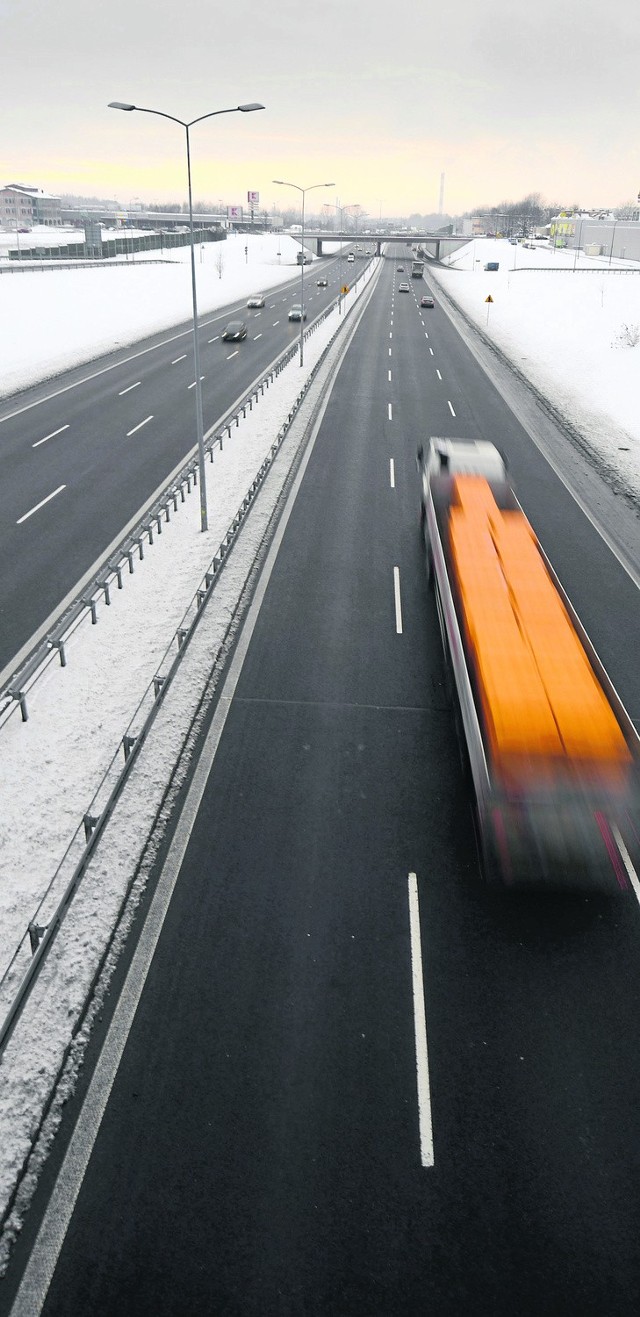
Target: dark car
{"points": [[297, 313], [427, 301], [322, 283], [257, 299], [492, 265], [234, 331], [404, 288]]}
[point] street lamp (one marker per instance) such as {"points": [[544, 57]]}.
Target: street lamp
{"points": [[578, 244], [234, 109], [281, 182], [613, 238], [341, 211]]}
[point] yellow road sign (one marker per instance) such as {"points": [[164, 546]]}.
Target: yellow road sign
{"points": [[345, 288], [489, 298]]}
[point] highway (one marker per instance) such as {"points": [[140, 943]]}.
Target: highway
{"points": [[270, 1144], [85, 451]]}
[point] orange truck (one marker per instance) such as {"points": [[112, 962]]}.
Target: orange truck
{"points": [[553, 755]]}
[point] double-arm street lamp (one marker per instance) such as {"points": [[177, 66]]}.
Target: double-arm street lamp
{"points": [[234, 109], [342, 211], [282, 183]]}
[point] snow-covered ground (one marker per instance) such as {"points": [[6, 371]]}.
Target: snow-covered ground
{"points": [[558, 328], [571, 333]]}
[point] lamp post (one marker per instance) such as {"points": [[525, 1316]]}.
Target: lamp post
{"points": [[281, 182], [578, 244], [234, 109], [343, 209], [613, 238]]}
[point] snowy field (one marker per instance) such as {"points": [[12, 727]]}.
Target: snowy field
{"points": [[571, 333]]}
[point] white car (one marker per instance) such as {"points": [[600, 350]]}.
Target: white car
{"points": [[257, 299]]}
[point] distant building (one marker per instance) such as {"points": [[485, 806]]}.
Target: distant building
{"points": [[43, 207], [599, 234], [480, 226], [16, 209]]}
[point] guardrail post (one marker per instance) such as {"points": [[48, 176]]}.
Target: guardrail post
{"points": [[22, 701], [128, 743], [90, 822], [59, 645], [130, 561], [36, 933], [158, 683], [182, 636], [104, 585], [149, 530], [91, 603], [118, 571]]}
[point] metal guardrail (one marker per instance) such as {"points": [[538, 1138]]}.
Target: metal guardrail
{"points": [[17, 980], [568, 269], [22, 267]]}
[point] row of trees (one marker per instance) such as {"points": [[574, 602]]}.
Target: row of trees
{"points": [[533, 210]]}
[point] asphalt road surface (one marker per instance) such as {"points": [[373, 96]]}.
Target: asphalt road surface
{"points": [[264, 1149]]}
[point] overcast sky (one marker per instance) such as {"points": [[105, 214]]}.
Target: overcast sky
{"points": [[504, 98]]}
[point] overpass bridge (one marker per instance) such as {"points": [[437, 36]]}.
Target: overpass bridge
{"points": [[434, 245]]}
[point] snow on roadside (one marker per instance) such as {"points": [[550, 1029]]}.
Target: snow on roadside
{"points": [[563, 331]]}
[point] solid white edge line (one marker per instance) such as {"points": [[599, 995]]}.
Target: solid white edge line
{"points": [[392, 473], [44, 1255], [139, 427], [39, 505], [396, 595], [420, 1028], [626, 860], [49, 436]]}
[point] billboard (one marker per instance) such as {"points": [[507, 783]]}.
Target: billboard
{"points": [[253, 198], [234, 212]]}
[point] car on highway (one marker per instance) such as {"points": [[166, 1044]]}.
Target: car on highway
{"points": [[322, 283], [351, 257], [427, 301], [400, 269], [257, 299], [404, 288], [234, 331], [297, 312]]}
